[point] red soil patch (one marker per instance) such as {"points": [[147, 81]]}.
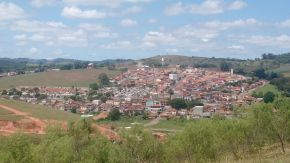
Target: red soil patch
{"points": [[28, 125], [102, 115], [37, 126]]}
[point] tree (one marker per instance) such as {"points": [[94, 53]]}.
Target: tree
{"points": [[94, 86], [281, 122], [114, 115], [178, 103], [104, 79], [224, 66], [269, 97], [4, 92], [170, 92], [260, 73]]}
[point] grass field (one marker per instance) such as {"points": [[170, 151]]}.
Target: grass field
{"points": [[269, 88], [9, 116], [125, 121], [39, 111], [172, 124], [68, 78], [284, 68]]}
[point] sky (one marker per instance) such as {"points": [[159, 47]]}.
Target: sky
{"points": [[134, 29]]}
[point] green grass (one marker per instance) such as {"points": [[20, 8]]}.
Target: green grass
{"points": [[66, 78], [284, 68], [125, 121], [9, 116], [269, 88], [172, 124], [40, 111]]}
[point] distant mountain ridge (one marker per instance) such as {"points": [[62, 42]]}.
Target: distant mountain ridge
{"points": [[20, 64]]}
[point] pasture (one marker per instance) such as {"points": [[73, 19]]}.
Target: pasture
{"points": [[268, 88], [38, 111], [65, 78], [6, 115]]}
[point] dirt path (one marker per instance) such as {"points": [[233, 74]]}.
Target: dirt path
{"points": [[153, 122], [102, 115], [40, 125], [37, 122]]}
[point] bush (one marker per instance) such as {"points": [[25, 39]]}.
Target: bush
{"points": [[114, 115]]}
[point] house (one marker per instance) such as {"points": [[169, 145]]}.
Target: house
{"points": [[154, 106], [197, 110]]}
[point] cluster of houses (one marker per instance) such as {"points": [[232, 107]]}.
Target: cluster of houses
{"points": [[148, 91]]}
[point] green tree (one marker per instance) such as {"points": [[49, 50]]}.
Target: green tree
{"points": [[178, 103], [281, 122], [4, 92], [260, 73], [94, 86], [269, 97], [224, 66], [114, 115], [104, 79]]}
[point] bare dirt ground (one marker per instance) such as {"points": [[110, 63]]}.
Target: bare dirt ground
{"points": [[102, 115], [27, 125], [33, 125]]}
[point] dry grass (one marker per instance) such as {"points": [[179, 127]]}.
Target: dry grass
{"points": [[39, 111], [67, 78]]}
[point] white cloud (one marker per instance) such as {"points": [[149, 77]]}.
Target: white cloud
{"points": [[75, 12], [37, 26], [124, 45], [237, 5], [39, 38], [50, 33], [33, 50], [10, 11], [285, 23], [128, 23], [107, 3], [282, 41], [171, 51], [236, 47], [158, 37], [41, 3], [132, 10], [152, 21], [207, 7], [98, 31], [21, 39], [58, 52], [175, 9], [73, 38], [193, 33], [226, 25], [148, 45]]}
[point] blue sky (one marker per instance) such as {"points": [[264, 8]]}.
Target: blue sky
{"points": [[109, 29]]}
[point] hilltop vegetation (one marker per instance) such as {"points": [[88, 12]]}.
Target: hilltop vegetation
{"points": [[20, 65]]}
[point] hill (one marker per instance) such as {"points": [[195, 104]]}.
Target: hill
{"points": [[68, 78], [20, 65], [37, 111]]}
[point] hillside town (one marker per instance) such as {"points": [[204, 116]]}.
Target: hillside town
{"points": [[148, 90]]}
